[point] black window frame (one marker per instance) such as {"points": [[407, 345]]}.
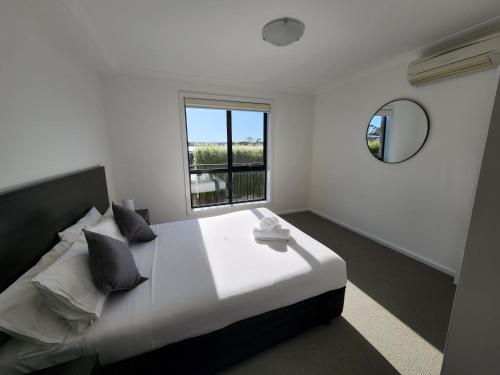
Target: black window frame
{"points": [[383, 126], [230, 168]]}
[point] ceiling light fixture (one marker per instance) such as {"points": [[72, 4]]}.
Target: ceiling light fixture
{"points": [[283, 31]]}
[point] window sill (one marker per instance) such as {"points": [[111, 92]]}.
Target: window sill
{"points": [[226, 208]]}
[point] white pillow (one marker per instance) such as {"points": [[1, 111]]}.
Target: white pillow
{"points": [[6, 319], [107, 226], [24, 315], [109, 212], [72, 233], [69, 290], [52, 255]]}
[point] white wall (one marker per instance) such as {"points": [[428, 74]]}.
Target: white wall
{"points": [[421, 206], [146, 150], [52, 121], [51, 114]]}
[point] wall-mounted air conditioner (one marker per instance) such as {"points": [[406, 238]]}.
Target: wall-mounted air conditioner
{"points": [[461, 58]]}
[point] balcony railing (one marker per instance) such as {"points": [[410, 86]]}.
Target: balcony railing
{"points": [[210, 187]]}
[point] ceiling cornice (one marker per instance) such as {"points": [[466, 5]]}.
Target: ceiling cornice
{"points": [[401, 59], [80, 15], [112, 66], [409, 56], [233, 82]]}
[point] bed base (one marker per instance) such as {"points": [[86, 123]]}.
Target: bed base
{"points": [[217, 350]]}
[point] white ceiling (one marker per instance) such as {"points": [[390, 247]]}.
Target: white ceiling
{"points": [[219, 41]]}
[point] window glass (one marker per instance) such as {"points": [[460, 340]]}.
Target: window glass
{"points": [[207, 138], [248, 138], [209, 189], [375, 136], [222, 170]]}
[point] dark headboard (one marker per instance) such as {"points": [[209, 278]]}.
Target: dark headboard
{"points": [[31, 216]]}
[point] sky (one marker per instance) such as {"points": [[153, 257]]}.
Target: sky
{"points": [[375, 124], [209, 125], [376, 121]]}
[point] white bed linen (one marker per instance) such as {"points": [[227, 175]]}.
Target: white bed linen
{"points": [[204, 274]]}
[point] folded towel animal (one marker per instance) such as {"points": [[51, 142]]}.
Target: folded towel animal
{"points": [[269, 223], [279, 234]]}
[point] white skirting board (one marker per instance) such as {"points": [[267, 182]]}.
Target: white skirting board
{"points": [[390, 245], [296, 211]]}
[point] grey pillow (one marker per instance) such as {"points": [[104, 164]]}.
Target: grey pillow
{"points": [[132, 225], [111, 264]]}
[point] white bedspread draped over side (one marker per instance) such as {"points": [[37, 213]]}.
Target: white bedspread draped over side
{"points": [[203, 275]]}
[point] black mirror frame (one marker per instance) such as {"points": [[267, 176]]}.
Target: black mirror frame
{"points": [[421, 146]]}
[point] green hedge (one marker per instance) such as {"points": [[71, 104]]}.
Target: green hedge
{"points": [[212, 155], [374, 146], [251, 183]]}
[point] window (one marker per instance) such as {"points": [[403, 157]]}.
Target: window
{"points": [[226, 151], [377, 133]]}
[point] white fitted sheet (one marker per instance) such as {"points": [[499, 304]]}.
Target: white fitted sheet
{"points": [[204, 274]]}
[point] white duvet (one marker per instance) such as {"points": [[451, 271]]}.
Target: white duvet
{"points": [[203, 274]]}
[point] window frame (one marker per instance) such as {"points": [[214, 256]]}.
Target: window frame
{"points": [[384, 114], [268, 159]]}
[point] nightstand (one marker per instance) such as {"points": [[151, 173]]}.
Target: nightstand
{"points": [[145, 214], [81, 366]]}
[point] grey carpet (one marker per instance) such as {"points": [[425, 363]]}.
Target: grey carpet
{"points": [[395, 316]]}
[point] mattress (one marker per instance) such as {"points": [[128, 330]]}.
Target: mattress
{"points": [[204, 274]]}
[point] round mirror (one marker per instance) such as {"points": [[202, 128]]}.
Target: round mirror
{"points": [[397, 131]]}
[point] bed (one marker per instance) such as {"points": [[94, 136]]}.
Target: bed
{"points": [[214, 295]]}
